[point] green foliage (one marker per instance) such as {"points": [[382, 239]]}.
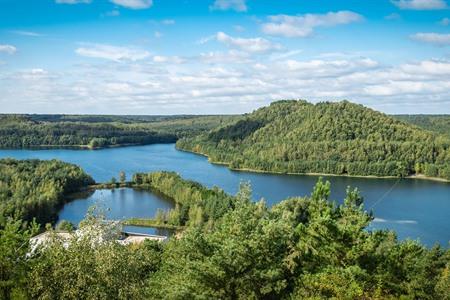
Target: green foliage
{"points": [[333, 138], [195, 204], [82, 269], [436, 123], [25, 131], [36, 189], [65, 225], [14, 245], [302, 248]]}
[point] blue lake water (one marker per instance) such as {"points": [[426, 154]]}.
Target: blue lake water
{"points": [[417, 209], [117, 204]]}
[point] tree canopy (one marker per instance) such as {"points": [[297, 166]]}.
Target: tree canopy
{"points": [[330, 137], [37, 189], [25, 131]]}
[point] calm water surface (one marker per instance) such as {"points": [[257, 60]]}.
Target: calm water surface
{"points": [[117, 204], [413, 208]]}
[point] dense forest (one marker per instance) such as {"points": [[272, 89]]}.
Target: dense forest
{"points": [[437, 123], [37, 189], [194, 204], [301, 248], [330, 137], [25, 131]]}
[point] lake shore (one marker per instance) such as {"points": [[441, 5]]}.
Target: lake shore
{"points": [[78, 147], [420, 177]]}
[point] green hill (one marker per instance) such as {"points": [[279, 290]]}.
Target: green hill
{"points": [[334, 138]]}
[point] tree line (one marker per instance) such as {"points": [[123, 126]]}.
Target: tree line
{"points": [[194, 203], [437, 123], [334, 138], [24, 131]]}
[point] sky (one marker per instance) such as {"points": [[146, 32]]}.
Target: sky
{"points": [[222, 56]]}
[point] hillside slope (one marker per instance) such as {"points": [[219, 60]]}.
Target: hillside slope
{"points": [[333, 138]]}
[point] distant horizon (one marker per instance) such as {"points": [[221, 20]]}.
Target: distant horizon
{"points": [[203, 114], [205, 57]]}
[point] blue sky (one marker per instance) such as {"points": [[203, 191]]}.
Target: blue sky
{"points": [[222, 56]]}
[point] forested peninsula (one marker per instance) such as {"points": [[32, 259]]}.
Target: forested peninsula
{"points": [[36, 189], [340, 138]]}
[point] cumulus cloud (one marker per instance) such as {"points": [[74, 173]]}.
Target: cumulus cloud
{"points": [[428, 67], [304, 25], [134, 4], [237, 5], [228, 82], [168, 59], [420, 4], [73, 1], [438, 39], [230, 57], [114, 53], [8, 49], [255, 45]]}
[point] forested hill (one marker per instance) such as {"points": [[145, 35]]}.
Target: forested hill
{"points": [[23, 131], [329, 137]]}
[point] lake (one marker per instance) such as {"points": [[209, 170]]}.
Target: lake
{"points": [[117, 204], [414, 208]]}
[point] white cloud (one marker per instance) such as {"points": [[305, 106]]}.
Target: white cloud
{"points": [[158, 34], [437, 39], [255, 45], [26, 33], [73, 1], [428, 67], [237, 5], [303, 26], [134, 4], [230, 57], [34, 74], [114, 53], [326, 68], [8, 49], [444, 22], [420, 4], [285, 55], [168, 59], [226, 82]]}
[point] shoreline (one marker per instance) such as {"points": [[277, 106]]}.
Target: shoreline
{"points": [[79, 147], [419, 177]]}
